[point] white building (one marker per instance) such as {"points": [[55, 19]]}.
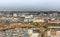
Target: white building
{"points": [[32, 34], [14, 14], [38, 20]]}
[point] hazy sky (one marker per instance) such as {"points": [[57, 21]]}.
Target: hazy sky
{"points": [[29, 5]]}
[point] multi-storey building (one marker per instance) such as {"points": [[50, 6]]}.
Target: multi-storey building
{"points": [[22, 17]]}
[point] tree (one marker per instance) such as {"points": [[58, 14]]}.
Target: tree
{"points": [[42, 29]]}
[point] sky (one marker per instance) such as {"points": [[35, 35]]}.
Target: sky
{"points": [[29, 5]]}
